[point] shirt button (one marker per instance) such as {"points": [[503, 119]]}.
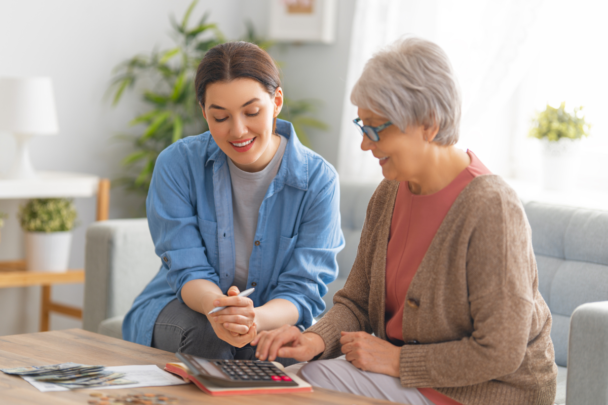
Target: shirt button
{"points": [[165, 259], [412, 303], [254, 284], [257, 243]]}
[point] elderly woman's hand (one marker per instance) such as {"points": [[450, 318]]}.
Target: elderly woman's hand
{"points": [[288, 341], [369, 353]]}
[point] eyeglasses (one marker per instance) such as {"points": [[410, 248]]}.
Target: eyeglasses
{"points": [[371, 132]]}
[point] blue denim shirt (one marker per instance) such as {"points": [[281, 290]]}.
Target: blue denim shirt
{"points": [[189, 209]]}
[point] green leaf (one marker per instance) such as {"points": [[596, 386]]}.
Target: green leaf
{"points": [[187, 15], [121, 88], [179, 86], [177, 129], [158, 121], [168, 55], [144, 117], [202, 28], [134, 157], [155, 98]]}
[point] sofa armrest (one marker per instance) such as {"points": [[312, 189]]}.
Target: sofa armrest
{"points": [[588, 355], [119, 263]]}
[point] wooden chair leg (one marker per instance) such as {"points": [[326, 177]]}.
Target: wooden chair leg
{"points": [[45, 308], [103, 200]]}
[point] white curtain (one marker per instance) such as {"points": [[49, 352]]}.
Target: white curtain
{"points": [[491, 45]]}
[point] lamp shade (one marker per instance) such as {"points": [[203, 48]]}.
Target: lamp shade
{"points": [[27, 106]]}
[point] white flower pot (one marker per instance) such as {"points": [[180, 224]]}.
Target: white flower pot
{"points": [[47, 251], [560, 163]]}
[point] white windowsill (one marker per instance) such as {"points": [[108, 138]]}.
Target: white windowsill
{"points": [[575, 197]]}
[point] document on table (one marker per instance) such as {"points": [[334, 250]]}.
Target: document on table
{"points": [[146, 376]]}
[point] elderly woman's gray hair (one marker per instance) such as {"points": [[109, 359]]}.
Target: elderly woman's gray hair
{"points": [[412, 82]]}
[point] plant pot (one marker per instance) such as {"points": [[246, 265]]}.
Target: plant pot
{"points": [[47, 251], [559, 160]]}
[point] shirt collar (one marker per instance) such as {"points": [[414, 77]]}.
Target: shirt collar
{"points": [[294, 167]]}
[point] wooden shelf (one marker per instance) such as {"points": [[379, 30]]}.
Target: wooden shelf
{"points": [[13, 274]]}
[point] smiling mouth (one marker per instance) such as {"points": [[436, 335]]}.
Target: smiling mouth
{"points": [[242, 144]]}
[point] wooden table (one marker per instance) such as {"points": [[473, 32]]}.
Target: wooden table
{"points": [[51, 185], [84, 347]]}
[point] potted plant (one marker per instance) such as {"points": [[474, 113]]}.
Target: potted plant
{"points": [[48, 223], [560, 132]]}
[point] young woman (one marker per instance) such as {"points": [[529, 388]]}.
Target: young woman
{"points": [[241, 206]]}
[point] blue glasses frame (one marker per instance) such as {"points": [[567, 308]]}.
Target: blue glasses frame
{"points": [[371, 132]]}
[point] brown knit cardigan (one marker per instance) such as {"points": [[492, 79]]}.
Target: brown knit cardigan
{"points": [[475, 325]]}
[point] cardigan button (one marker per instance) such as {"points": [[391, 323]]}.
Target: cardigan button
{"points": [[413, 342], [412, 303]]}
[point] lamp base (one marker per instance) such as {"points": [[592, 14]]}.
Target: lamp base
{"points": [[22, 167]]}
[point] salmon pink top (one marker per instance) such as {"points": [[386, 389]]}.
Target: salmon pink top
{"points": [[416, 219]]}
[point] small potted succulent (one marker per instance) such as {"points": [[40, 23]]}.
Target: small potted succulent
{"points": [[48, 223], [560, 132]]}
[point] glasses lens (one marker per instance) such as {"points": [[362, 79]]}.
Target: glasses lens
{"points": [[371, 134]]}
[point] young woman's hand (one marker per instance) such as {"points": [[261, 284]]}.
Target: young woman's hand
{"points": [[370, 353], [230, 337], [288, 341], [235, 324]]}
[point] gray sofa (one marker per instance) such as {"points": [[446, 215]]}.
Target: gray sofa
{"points": [[571, 247]]}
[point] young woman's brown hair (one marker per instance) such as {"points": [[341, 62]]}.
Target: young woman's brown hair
{"points": [[234, 60]]}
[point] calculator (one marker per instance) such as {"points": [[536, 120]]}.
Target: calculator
{"points": [[237, 373]]}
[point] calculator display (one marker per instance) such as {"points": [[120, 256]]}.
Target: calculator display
{"points": [[238, 373]]}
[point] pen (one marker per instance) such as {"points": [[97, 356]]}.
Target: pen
{"points": [[245, 293]]}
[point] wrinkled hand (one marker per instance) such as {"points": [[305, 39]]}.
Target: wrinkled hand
{"points": [[369, 353], [235, 324], [288, 341]]}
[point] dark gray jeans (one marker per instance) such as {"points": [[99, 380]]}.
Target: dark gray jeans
{"points": [[181, 329]]}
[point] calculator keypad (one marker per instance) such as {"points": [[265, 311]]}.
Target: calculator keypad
{"points": [[253, 370]]}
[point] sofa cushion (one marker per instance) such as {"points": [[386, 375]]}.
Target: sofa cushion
{"points": [[571, 249], [112, 327]]}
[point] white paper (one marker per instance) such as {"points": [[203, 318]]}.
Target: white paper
{"points": [[146, 376]]}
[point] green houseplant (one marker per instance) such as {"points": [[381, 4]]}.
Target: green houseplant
{"points": [[48, 223], [560, 132], [165, 79], [554, 124]]}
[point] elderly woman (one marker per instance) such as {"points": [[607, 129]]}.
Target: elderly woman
{"points": [[445, 276]]}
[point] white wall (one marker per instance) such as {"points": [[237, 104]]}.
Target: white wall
{"points": [[77, 43]]}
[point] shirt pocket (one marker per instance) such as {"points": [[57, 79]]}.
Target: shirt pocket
{"points": [[208, 231], [286, 248]]}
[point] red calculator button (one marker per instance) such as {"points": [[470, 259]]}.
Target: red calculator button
{"points": [[285, 378], [276, 378]]}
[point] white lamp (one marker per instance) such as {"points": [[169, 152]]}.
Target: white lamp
{"points": [[27, 108]]}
